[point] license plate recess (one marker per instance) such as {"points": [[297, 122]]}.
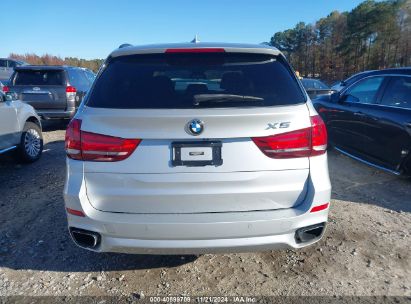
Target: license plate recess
{"points": [[196, 153]]}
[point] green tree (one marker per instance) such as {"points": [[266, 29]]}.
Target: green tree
{"points": [[374, 35], [47, 59]]}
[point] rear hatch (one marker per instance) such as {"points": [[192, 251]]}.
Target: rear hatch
{"points": [[40, 87], [234, 101]]}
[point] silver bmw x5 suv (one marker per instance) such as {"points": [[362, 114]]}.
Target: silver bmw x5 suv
{"points": [[194, 148]]}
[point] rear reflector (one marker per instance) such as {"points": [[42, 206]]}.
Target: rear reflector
{"points": [[320, 207], [75, 212], [300, 143], [87, 146], [196, 50], [6, 89]]}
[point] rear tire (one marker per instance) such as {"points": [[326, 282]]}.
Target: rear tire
{"points": [[31, 143], [406, 168]]}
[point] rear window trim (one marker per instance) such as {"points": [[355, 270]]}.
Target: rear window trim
{"points": [[277, 56], [197, 109], [13, 78]]}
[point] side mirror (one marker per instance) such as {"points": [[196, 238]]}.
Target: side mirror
{"points": [[335, 97]]}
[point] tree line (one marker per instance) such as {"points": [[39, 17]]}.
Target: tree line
{"points": [[374, 35], [47, 59]]}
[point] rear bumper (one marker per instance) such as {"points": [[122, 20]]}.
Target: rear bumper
{"points": [[202, 232], [52, 114], [194, 234]]}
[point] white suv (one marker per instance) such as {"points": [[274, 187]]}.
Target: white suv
{"points": [[194, 148], [20, 129]]}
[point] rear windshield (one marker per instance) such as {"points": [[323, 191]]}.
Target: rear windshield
{"points": [[187, 81], [313, 84], [38, 78]]}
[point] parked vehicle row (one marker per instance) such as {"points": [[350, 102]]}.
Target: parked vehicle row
{"points": [[195, 148], [354, 78], [30, 93], [370, 119]]}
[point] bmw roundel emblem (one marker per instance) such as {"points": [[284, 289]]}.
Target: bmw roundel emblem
{"points": [[195, 127]]}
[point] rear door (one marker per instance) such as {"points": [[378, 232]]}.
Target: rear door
{"points": [[164, 100], [41, 88], [351, 125], [390, 128]]}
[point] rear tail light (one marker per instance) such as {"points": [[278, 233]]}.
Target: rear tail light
{"points": [[73, 139], [318, 136], [87, 146], [71, 93], [6, 89], [71, 89], [300, 143], [286, 145]]}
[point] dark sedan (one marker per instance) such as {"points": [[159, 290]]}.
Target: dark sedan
{"points": [[315, 87], [341, 85], [370, 120]]}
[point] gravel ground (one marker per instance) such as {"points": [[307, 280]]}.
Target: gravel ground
{"points": [[365, 250]]}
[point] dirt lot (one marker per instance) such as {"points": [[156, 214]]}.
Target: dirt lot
{"points": [[365, 250]]}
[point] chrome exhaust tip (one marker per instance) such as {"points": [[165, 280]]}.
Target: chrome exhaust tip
{"points": [[85, 238], [309, 233]]}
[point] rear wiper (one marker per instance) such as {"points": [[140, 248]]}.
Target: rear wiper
{"points": [[224, 98]]}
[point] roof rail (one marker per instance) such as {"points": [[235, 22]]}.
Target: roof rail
{"points": [[124, 45]]}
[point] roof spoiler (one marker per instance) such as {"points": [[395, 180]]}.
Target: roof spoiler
{"points": [[124, 45], [41, 67]]}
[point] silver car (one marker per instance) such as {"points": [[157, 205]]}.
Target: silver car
{"points": [[20, 129], [194, 148]]}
